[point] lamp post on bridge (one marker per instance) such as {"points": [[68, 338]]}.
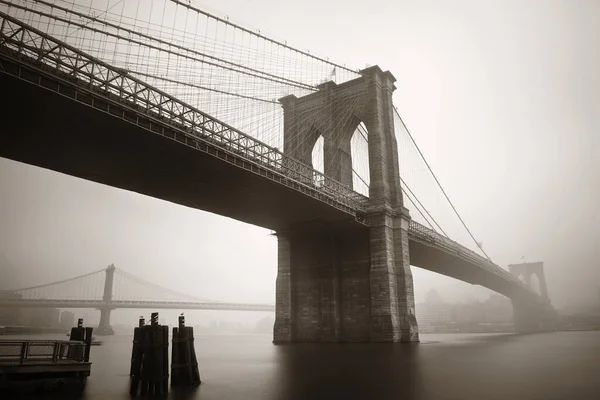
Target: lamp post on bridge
{"points": [[104, 327]]}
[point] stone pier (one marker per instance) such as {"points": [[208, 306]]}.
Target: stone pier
{"points": [[104, 327], [347, 284]]}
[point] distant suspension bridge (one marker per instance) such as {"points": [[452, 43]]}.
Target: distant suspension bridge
{"points": [[111, 288]]}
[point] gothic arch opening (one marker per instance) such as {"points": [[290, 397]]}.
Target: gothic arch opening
{"points": [[535, 283], [318, 161], [359, 151]]}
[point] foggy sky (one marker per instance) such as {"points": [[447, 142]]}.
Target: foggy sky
{"points": [[502, 97]]}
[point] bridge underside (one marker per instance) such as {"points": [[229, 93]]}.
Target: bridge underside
{"points": [[333, 288], [325, 288], [433, 259], [328, 289], [530, 315], [42, 128]]}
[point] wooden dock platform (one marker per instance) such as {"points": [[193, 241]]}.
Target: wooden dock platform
{"points": [[43, 364]]}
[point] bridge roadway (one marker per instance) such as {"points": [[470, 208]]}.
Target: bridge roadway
{"points": [[56, 121], [131, 304]]}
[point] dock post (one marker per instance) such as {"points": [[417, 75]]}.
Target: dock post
{"points": [[88, 343], [149, 357], [184, 365], [77, 334], [165, 358], [194, 361], [136, 349]]}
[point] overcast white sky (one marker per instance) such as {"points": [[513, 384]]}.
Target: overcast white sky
{"points": [[502, 97]]}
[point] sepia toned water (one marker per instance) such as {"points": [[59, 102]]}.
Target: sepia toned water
{"points": [[546, 366]]}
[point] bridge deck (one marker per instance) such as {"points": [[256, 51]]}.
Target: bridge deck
{"points": [[43, 358], [46, 129], [101, 139]]}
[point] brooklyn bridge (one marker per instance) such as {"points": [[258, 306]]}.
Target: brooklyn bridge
{"points": [[224, 119]]}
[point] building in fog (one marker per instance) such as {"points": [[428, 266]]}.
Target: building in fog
{"points": [[498, 309], [492, 315], [433, 313], [36, 317], [40, 317]]}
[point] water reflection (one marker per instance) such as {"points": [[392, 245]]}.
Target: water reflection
{"points": [[560, 366], [357, 371]]}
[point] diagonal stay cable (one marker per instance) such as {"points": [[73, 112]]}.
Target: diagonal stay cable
{"points": [[440, 185], [360, 177], [167, 290], [404, 185], [62, 281], [171, 44], [278, 43], [277, 79], [189, 84], [405, 193]]}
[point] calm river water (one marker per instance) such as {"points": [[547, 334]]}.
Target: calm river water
{"points": [[557, 365]]}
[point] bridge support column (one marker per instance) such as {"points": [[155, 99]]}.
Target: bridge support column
{"points": [[282, 330], [392, 295], [104, 327], [323, 286], [530, 317], [406, 295], [391, 285], [384, 324], [349, 284], [527, 270]]}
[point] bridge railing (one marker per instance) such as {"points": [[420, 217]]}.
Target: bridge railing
{"points": [[89, 74], [430, 236], [41, 351], [75, 303]]}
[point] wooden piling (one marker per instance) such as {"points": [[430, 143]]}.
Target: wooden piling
{"points": [[88, 343], [174, 359], [77, 353], [148, 359], [184, 365], [136, 350], [194, 360], [165, 357]]}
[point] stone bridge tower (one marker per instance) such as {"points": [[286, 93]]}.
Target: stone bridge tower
{"points": [[527, 271], [104, 327], [527, 316], [349, 283]]}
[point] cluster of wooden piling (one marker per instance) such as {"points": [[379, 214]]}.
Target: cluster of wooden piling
{"points": [[184, 365], [149, 358], [81, 334]]}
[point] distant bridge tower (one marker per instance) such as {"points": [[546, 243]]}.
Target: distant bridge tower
{"points": [[526, 317], [347, 283], [527, 270], [104, 328]]}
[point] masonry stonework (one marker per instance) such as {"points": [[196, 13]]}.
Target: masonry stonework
{"points": [[347, 284], [104, 327], [282, 330], [527, 270], [528, 316]]}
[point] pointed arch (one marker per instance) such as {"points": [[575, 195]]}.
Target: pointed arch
{"points": [[359, 151], [535, 283], [318, 160]]}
